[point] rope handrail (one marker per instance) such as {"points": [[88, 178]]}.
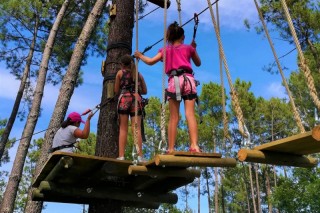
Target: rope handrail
{"points": [[303, 64], [135, 137], [294, 108], [162, 116], [223, 95], [234, 97]]}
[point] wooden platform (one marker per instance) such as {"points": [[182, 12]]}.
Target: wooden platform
{"points": [[288, 151], [74, 178]]}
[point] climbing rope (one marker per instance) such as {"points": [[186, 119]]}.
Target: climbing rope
{"points": [[135, 137], [163, 118], [303, 64], [223, 96], [295, 111], [234, 97]]}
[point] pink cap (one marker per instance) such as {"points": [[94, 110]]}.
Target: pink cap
{"points": [[75, 117]]}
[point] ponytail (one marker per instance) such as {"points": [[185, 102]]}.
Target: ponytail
{"points": [[174, 32], [66, 123]]}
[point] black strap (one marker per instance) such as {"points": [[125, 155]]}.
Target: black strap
{"points": [[61, 147], [119, 45]]}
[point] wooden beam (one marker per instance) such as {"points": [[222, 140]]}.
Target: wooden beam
{"points": [[276, 158], [301, 144], [160, 3], [107, 193], [37, 195], [163, 172], [316, 133], [64, 163], [170, 160]]}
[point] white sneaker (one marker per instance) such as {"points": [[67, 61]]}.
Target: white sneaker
{"points": [[141, 159], [120, 158]]}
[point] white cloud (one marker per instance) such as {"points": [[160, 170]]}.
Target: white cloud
{"points": [[231, 13], [275, 89], [8, 85]]}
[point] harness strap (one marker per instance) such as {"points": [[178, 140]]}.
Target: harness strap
{"points": [[177, 87], [61, 147]]}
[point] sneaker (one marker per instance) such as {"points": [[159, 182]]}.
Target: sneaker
{"points": [[120, 158], [141, 159]]}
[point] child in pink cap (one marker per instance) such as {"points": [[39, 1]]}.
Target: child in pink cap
{"points": [[67, 135], [181, 83]]}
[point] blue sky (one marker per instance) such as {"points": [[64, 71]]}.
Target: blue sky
{"points": [[246, 53]]}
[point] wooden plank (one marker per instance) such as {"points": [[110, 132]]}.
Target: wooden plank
{"points": [[69, 175], [184, 161], [196, 154], [162, 172], [276, 158], [116, 193], [300, 144], [83, 166]]}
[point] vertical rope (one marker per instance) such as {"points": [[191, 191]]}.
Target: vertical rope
{"points": [[163, 118], [135, 139], [223, 96], [179, 11], [295, 111], [234, 97], [303, 64]]}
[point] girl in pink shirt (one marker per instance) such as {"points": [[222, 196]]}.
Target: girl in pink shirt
{"points": [[181, 83]]}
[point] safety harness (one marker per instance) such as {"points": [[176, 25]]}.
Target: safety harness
{"points": [[129, 88], [175, 73], [61, 147]]}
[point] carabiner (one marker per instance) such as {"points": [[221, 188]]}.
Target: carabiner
{"points": [[196, 22]]}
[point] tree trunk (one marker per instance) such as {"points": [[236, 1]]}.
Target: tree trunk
{"points": [[275, 181], [268, 188], [223, 206], [119, 43], [258, 188], [216, 190], [10, 193], [38, 94], [252, 190], [66, 91], [208, 188], [216, 181], [199, 195]]}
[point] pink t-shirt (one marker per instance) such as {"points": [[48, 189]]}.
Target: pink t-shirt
{"points": [[178, 57]]}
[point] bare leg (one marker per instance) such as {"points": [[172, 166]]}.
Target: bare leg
{"points": [[192, 123], [136, 122], [123, 133], [173, 123]]}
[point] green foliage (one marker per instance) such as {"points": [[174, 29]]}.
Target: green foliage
{"points": [[304, 14], [87, 146], [17, 21], [298, 193], [3, 182], [27, 176], [211, 128], [9, 144]]}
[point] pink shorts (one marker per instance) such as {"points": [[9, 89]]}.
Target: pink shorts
{"points": [[187, 85]]}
